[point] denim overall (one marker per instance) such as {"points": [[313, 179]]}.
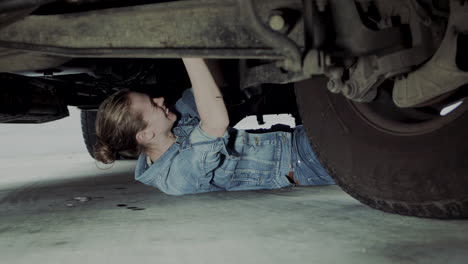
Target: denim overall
{"points": [[198, 162]]}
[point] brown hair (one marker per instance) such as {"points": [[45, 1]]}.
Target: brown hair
{"points": [[116, 127]]}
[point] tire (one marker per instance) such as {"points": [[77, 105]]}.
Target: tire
{"points": [[419, 173], [88, 128]]}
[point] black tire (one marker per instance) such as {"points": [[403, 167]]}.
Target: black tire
{"points": [[88, 128], [421, 174]]}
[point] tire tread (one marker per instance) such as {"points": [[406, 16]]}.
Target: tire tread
{"points": [[441, 209]]}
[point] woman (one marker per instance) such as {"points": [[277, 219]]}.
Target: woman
{"points": [[198, 152]]}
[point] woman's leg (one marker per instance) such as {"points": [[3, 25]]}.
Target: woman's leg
{"points": [[307, 168]]}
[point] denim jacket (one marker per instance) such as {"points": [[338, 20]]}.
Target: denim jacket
{"points": [[198, 162]]}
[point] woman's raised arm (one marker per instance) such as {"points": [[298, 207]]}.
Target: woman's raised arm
{"points": [[210, 103]]}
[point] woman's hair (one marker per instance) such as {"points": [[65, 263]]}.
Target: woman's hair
{"points": [[116, 127]]}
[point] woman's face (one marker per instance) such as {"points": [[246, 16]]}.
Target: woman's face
{"points": [[154, 112]]}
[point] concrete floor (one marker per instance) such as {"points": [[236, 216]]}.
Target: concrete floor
{"points": [[57, 208]]}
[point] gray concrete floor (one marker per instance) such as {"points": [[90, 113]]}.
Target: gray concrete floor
{"points": [[42, 220]]}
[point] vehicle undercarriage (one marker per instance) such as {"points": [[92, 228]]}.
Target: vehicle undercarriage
{"points": [[372, 78]]}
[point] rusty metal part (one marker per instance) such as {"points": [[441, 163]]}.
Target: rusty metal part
{"points": [[411, 13], [277, 22], [270, 37], [440, 74], [315, 63], [368, 72], [16, 61], [354, 37], [335, 83], [210, 29], [269, 73]]}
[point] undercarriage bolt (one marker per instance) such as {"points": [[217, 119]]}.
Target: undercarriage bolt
{"points": [[349, 90], [277, 21], [335, 85], [346, 90]]}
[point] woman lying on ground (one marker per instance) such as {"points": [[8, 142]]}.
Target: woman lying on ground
{"points": [[198, 151]]}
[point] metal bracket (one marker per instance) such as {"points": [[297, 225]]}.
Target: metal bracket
{"points": [[315, 63], [371, 71], [270, 37], [441, 74], [353, 36], [269, 73], [368, 72]]}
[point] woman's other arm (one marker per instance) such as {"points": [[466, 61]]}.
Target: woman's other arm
{"points": [[210, 103]]}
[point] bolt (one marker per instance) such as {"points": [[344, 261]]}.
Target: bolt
{"points": [[277, 22], [334, 85], [350, 89], [334, 72], [346, 90]]}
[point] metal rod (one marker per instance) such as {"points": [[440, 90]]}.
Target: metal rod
{"points": [[146, 52], [15, 5]]}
